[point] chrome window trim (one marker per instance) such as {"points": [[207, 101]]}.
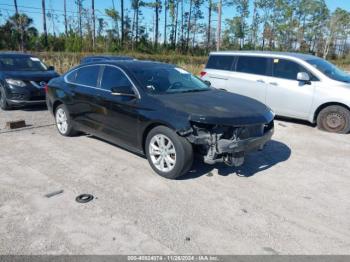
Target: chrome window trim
{"points": [[74, 70], [136, 91]]}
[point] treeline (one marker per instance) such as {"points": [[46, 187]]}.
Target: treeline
{"points": [[184, 26]]}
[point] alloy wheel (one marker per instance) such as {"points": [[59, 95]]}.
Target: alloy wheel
{"points": [[61, 121], [162, 152]]}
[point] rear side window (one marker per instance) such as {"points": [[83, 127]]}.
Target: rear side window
{"points": [[113, 77], [220, 62], [253, 65], [87, 76], [71, 76], [287, 69]]}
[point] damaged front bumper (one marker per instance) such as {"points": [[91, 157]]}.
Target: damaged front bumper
{"points": [[229, 144]]}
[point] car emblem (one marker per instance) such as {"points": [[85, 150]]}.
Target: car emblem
{"points": [[42, 83]]}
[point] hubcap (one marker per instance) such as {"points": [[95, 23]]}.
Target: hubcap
{"points": [[61, 121], [334, 121], [162, 153]]}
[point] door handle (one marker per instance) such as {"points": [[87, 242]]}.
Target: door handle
{"points": [[221, 78], [273, 83], [260, 81]]}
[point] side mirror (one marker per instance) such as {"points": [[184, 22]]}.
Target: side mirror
{"points": [[303, 77], [123, 91], [51, 68], [207, 82]]}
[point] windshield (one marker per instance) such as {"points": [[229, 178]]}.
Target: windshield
{"points": [[18, 63], [329, 70], [166, 80]]}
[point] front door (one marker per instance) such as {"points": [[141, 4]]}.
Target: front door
{"points": [[286, 95], [122, 103]]}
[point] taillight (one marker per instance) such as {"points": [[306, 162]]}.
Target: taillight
{"points": [[46, 88], [203, 73]]}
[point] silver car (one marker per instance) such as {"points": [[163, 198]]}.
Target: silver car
{"points": [[294, 85]]}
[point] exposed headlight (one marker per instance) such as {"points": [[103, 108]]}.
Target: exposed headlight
{"points": [[15, 82]]}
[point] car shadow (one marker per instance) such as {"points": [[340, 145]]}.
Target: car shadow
{"points": [[294, 121], [273, 153]]}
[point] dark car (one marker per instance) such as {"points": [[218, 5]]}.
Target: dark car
{"points": [[161, 111], [23, 78], [89, 59]]}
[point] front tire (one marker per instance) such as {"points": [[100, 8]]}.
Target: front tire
{"points": [[63, 121], [335, 119], [169, 155], [3, 103]]}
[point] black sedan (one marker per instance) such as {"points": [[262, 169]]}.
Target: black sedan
{"points": [[23, 78], [158, 110]]}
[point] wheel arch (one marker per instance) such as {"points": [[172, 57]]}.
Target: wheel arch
{"points": [[318, 110], [148, 129], [55, 105]]}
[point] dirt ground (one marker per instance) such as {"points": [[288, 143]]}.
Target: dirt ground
{"points": [[291, 198]]}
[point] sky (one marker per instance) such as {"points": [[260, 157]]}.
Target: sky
{"points": [[33, 9]]}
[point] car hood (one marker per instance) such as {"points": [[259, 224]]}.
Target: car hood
{"points": [[218, 107], [31, 76]]}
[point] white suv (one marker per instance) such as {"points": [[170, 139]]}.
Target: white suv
{"points": [[293, 85]]}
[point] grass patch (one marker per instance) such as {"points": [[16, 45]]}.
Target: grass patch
{"points": [[63, 61]]}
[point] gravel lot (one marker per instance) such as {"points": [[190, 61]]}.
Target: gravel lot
{"points": [[292, 198]]}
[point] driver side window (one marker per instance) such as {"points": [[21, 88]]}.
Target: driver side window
{"points": [[113, 78], [287, 69]]}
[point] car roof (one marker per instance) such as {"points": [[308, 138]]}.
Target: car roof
{"points": [[88, 59], [132, 64], [267, 53], [109, 56]]}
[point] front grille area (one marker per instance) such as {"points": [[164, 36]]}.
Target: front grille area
{"points": [[232, 132], [16, 96], [37, 98], [37, 84], [37, 95]]}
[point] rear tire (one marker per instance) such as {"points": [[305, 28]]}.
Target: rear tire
{"points": [[63, 121], [3, 103], [335, 119], [169, 154]]}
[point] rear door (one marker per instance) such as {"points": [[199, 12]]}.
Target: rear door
{"points": [[217, 70], [287, 96], [249, 77], [85, 107]]}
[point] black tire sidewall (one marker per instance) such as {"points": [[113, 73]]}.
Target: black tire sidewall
{"points": [[183, 148], [321, 122], [3, 105]]}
